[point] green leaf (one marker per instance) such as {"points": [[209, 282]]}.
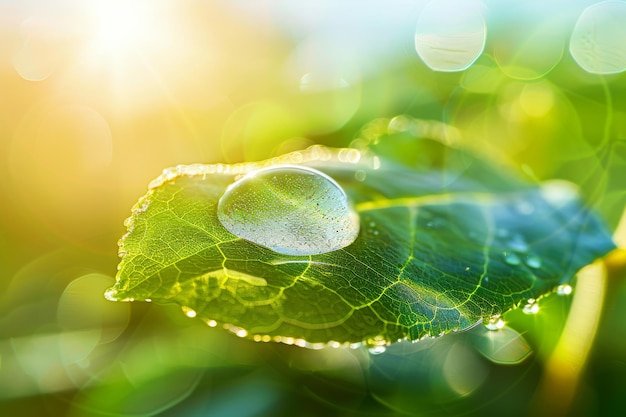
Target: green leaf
{"points": [[445, 241]]}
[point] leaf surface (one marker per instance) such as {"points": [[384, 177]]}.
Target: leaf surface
{"points": [[445, 241]]}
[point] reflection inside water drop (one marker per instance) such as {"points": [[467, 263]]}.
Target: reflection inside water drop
{"points": [[289, 209]]}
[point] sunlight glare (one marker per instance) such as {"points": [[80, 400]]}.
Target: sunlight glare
{"points": [[123, 26]]}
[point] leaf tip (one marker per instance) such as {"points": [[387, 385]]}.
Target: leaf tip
{"points": [[112, 294]]}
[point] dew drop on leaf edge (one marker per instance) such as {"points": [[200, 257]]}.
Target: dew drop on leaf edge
{"points": [[110, 294], [564, 289], [531, 307], [290, 209], [495, 323], [189, 312], [377, 350]]}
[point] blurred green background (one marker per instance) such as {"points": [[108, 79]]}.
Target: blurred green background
{"points": [[97, 97]]}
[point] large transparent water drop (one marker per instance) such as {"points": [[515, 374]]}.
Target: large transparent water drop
{"points": [[290, 209], [597, 42]]}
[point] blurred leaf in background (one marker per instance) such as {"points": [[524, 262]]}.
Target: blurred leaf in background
{"points": [[96, 98]]}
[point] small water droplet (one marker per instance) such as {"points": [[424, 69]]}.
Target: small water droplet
{"points": [[436, 223], [110, 294], [360, 175], [512, 258], [289, 209], [495, 323], [189, 312], [531, 307], [211, 323], [287, 340], [518, 243], [533, 261], [377, 350], [564, 289]]}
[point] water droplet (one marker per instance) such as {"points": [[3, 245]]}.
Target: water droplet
{"points": [[512, 258], [531, 307], [287, 340], [597, 41], [495, 323], [189, 312], [360, 175], [533, 261], [450, 34], [377, 350], [436, 223], [517, 243], [211, 323], [564, 289], [290, 209], [110, 294]]}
